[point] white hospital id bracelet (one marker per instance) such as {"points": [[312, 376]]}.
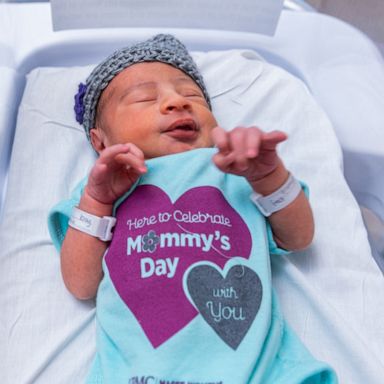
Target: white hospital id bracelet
{"points": [[100, 227], [278, 199]]}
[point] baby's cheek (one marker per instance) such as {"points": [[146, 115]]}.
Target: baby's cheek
{"points": [[208, 141], [208, 134]]}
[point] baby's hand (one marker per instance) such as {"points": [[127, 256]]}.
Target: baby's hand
{"points": [[115, 171], [247, 152]]}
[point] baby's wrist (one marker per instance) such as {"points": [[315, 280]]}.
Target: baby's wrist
{"points": [[91, 205], [270, 182]]}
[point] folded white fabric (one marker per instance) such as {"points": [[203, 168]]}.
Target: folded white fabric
{"points": [[331, 293]]}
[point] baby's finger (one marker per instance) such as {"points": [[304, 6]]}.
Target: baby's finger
{"points": [[135, 150], [223, 162], [107, 156], [271, 139], [220, 139], [238, 143], [252, 142], [132, 161]]}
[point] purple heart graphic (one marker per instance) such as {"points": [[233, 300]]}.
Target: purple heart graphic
{"points": [[155, 241]]}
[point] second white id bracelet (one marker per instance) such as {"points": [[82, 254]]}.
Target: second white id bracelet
{"points": [[279, 199]]}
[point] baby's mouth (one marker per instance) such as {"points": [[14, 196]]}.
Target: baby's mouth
{"points": [[183, 129]]}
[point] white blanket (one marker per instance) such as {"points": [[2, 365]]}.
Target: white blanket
{"points": [[331, 294]]}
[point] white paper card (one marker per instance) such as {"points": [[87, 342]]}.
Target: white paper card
{"points": [[258, 16]]}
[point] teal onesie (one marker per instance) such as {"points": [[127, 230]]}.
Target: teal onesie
{"points": [[186, 295]]}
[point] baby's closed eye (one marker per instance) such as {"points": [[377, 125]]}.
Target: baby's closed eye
{"points": [[191, 92], [142, 97]]}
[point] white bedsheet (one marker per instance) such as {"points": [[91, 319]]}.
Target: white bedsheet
{"points": [[331, 294]]}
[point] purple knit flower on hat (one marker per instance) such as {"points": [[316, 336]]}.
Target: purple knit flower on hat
{"points": [[79, 106]]}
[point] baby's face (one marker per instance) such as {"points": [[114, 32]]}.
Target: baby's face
{"points": [[157, 107]]}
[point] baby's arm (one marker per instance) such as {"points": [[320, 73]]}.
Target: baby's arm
{"points": [[251, 153], [114, 172]]}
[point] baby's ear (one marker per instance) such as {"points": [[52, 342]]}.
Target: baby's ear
{"points": [[97, 139]]}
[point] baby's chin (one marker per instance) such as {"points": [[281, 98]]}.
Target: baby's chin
{"points": [[190, 146], [180, 148]]}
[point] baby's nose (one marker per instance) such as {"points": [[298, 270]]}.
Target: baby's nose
{"points": [[175, 101]]}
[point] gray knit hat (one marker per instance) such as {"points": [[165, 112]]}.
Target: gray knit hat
{"points": [[163, 48]]}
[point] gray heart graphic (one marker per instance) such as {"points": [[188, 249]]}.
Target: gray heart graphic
{"points": [[229, 305]]}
